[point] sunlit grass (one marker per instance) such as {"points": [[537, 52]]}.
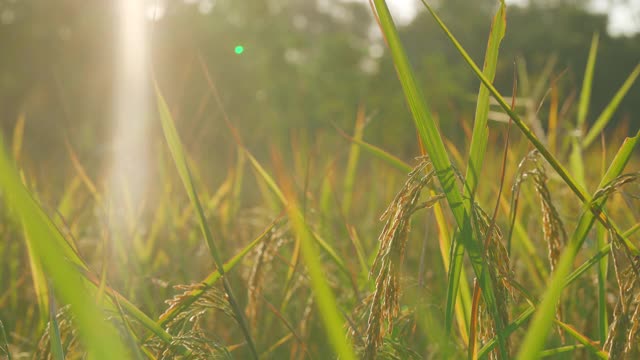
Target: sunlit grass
{"points": [[302, 261]]}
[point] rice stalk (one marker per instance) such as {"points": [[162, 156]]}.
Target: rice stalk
{"points": [[352, 162], [624, 332], [393, 240], [499, 269], [537, 333], [331, 315], [180, 161], [304, 326], [554, 233], [434, 146], [292, 332], [263, 255], [588, 344], [497, 255], [624, 336], [18, 137], [584, 197], [553, 229]]}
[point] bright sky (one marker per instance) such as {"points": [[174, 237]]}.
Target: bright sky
{"points": [[623, 18]]}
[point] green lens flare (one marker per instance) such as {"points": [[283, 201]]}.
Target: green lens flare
{"points": [[239, 49]]}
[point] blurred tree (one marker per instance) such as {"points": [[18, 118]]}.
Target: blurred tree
{"points": [[306, 65], [566, 31]]}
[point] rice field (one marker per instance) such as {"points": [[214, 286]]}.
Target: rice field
{"points": [[520, 243]]}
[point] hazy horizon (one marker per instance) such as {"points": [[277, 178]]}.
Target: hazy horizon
{"points": [[623, 18]]}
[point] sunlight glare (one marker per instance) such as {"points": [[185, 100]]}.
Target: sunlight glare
{"points": [[129, 167]]}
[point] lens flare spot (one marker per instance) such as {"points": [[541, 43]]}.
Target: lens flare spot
{"points": [[239, 49]]}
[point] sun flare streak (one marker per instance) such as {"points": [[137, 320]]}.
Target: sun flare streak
{"points": [[129, 164]]}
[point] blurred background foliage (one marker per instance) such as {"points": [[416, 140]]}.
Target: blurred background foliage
{"points": [[306, 65]]}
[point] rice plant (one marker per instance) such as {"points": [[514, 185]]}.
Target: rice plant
{"points": [[342, 249]]}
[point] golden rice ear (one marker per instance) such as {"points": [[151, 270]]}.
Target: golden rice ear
{"points": [[500, 271], [616, 184], [261, 268], [185, 327], [393, 240], [624, 333], [553, 230], [623, 339], [67, 333]]}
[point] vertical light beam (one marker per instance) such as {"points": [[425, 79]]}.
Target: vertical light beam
{"points": [[129, 165]]}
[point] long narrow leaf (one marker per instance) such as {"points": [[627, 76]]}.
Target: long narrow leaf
{"points": [[352, 163], [479, 139], [576, 162], [18, 137], [603, 319], [480, 134], [383, 155], [100, 338], [575, 159], [585, 93], [608, 112], [463, 303], [586, 342], [39, 279], [57, 352]]}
